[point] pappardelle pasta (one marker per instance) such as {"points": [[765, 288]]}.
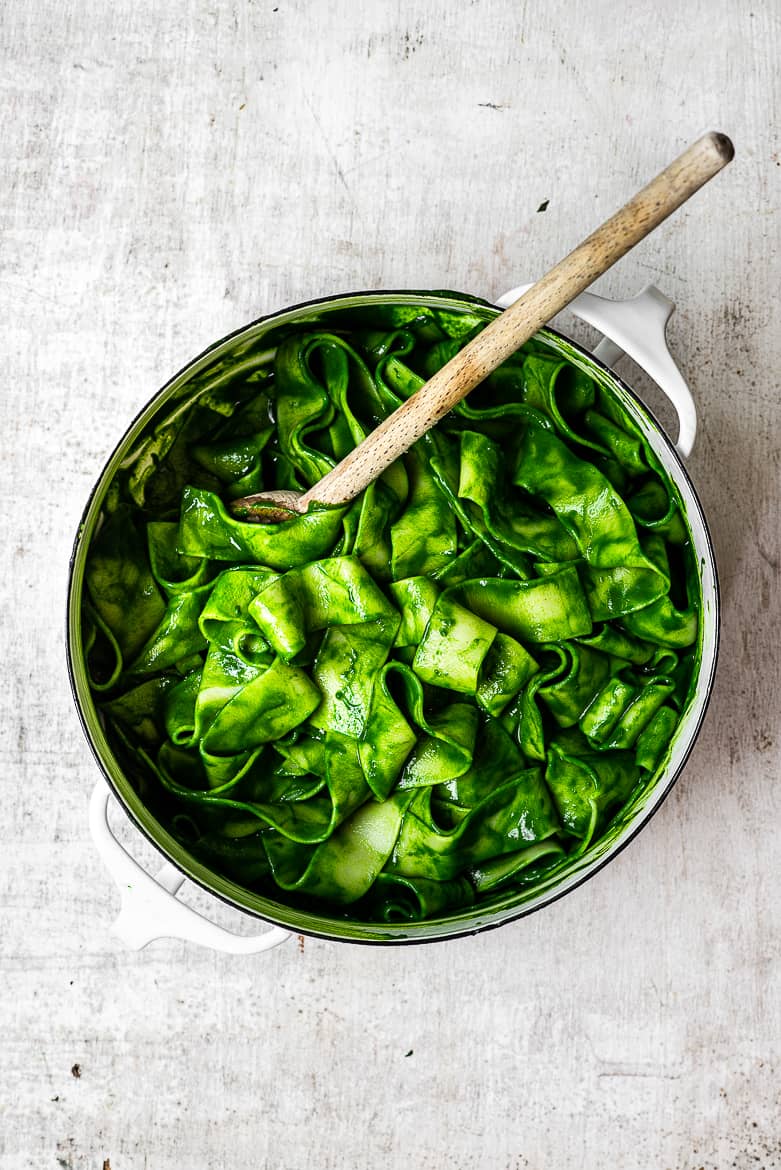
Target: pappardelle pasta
{"points": [[390, 710]]}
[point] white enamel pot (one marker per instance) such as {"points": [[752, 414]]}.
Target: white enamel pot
{"points": [[150, 907]]}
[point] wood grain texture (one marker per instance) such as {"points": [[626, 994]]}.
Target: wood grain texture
{"points": [[547, 297], [170, 172]]}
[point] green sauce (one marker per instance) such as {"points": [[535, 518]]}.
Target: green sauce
{"points": [[390, 710]]}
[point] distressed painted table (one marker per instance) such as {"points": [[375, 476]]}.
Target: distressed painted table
{"points": [[171, 171]]}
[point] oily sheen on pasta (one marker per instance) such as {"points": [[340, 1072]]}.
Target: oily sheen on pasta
{"points": [[391, 710]]}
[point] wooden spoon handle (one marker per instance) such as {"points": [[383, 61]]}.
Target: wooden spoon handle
{"points": [[507, 332]]}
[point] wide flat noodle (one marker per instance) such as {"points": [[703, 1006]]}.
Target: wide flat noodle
{"points": [[403, 707]]}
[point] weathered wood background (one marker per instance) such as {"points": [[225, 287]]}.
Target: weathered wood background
{"points": [[170, 171]]}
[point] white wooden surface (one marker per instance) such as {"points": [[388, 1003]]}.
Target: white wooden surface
{"points": [[170, 171]]}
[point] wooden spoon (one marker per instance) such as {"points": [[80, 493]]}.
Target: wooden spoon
{"points": [[502, 337]]}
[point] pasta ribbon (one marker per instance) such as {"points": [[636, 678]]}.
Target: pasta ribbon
{"points": [[423, 701]]}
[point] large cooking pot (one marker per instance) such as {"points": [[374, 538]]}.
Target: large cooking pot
{"points": [[150, 908]]}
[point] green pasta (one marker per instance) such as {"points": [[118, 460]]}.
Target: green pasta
{"points": [[390, 710]]}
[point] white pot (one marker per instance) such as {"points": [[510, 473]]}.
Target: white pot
{"points": [[150, 908]]}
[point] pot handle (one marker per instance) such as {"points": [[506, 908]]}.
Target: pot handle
{"points": [[636, 327], [149, 906]]}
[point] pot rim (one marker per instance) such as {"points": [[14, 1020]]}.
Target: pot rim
{"points": [[463, 928]]}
